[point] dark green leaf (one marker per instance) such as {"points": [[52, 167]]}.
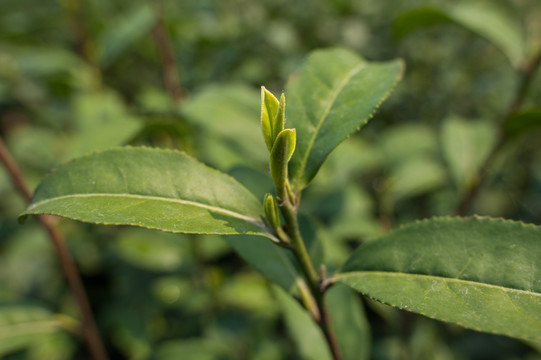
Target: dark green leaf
{"points": [[522, 122], [276, 263], [335, 93], [481, 273], [349, 323], [151, 188], [308, 338]]}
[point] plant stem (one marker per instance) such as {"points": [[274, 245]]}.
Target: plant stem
{"points": [[526, 72], [89, 329], [169, 69], [289, 212]]}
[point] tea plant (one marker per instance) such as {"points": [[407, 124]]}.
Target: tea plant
{"points": [[481, 273]]}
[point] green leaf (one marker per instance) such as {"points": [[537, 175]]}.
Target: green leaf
{"points": [[274, 262], [480, 273], [271, 211], [348, 321], [466, 144], [522, 122], [269, 110], [280, 119], [102, 121], [24, 326], [308, 338], [416, 176], [281, 152], [151, 188], [335, 93], [228, 115], [123, 32], [489, 19], [151, 250]]}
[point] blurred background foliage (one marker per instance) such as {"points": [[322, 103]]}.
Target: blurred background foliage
{"points": [[78, 76]]}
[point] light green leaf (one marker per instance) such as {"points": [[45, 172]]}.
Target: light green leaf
{"points": [[102, 121], [489, 19], [271, 211], [123, 32], [190, 349], [281, 152], [42, 61], [480, 273], [415, 177], [466, 144], [269, 109], [227, 114], [404, 142], [24, 326], [151, 250], [151, 188], [335, 93]]}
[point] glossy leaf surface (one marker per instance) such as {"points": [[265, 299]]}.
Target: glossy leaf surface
{"points": [[334, 94], [481, 273], [488, 19], [158, 189]]}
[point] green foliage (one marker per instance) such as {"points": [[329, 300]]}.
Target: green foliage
{"points": [[124, 186], [32, 327], [489, 19], [466, 144], [344, 92], [479, 273], [459, 135]]}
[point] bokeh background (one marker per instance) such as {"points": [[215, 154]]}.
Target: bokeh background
{"points": [[77, 76]]}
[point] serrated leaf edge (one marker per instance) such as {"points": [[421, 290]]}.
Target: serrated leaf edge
{"points": [[338, 278], [302, 181]]}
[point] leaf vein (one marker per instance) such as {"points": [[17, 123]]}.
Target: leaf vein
{"points": [[330, 102], [215, 209]]}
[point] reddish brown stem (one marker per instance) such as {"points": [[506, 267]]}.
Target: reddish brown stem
{"points": [[169, 68], [89, 329]]}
